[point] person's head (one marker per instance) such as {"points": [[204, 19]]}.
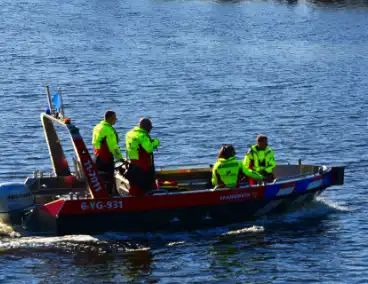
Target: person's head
{"points": [[262, 141], [227, 151], [145, 124], [110, 117]]}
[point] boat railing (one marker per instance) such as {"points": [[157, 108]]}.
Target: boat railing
{"points": [[291, 177], [78, 169], [263, 183], [157, 192], [228, 187], [175, 166]]}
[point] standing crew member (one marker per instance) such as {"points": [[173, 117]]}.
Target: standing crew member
{"points": [[228, 171], [140, 147], [105, 141], [261, 158]]}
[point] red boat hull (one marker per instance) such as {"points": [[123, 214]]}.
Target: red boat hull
{"points": [[173, 212]]}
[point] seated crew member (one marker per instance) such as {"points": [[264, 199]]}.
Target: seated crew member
{"points": [[260, 158], [105, 141], [227, 171], [140, 147]]}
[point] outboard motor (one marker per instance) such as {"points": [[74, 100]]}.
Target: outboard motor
{"points": [[129, 171], [322, 170], [15, 200], [134, 175]]}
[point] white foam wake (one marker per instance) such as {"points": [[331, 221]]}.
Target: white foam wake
{"points": [[6, 230], [333, 205], [44, 242], [318, 208], [252, 229]]}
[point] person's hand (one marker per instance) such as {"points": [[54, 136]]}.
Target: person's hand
{"points": [[267, 179], [155, 143]]}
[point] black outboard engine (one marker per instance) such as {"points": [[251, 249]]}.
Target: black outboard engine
{"points": [[134, 175], [129, 171], [122, 167]]}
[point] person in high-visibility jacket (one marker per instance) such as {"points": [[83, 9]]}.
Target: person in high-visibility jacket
{"points": [[140, 146], [260, 157], [228, 171], [105, 141]]}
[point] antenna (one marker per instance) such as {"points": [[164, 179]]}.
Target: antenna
{"points": [[61, 103], [48, 97]]}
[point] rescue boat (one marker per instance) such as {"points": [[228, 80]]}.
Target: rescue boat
{"points": [[77, 202]]}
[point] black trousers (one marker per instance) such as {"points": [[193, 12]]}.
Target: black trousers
{"points": [[106, 170]]}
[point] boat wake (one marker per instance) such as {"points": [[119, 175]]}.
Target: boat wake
{"points": [[252, 229], [8, 231], [333, 206], [124, 242], [44, 242], [313, 211], [182, 237], [316, 209]]}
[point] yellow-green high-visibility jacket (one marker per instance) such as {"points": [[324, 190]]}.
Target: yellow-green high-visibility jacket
{"points": [[228, 172], [260, 160], [105, 141], [140, 146]]}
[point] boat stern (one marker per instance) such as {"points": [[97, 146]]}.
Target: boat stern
{"points": [[338, 175]]}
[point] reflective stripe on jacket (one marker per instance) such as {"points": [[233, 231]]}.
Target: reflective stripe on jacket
{"points": [[105, 141], [260, 160], [228, 172]]}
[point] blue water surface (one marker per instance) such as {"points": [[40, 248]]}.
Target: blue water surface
{"points": [[206, 73]]}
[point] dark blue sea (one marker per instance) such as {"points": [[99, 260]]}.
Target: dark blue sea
{"points": [[206, 73]]}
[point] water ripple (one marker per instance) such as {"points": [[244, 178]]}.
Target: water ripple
{"points": [[207, 73]]}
